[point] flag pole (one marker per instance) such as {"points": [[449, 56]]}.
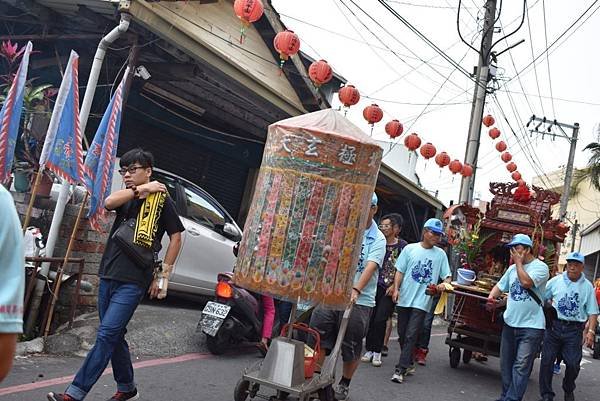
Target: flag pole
{"points": [[34, 190], [59, 272]]}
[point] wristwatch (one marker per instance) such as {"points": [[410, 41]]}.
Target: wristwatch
{"points": [[591, 331]]}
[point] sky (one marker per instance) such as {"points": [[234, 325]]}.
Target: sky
{"points": [[393, 67]]}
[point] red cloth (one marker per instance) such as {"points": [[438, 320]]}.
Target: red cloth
{"points": [[268, 316], [598, 295]]}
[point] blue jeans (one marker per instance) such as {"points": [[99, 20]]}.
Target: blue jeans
{"points": [[116, 303], [562, 339], [518, 349]]}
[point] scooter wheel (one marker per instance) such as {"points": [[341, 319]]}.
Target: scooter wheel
{"points": [[218, 344], [241, 390]]}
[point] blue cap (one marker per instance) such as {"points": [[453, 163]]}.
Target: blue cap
{"points": [[374, 199], [576, 257], [520, 239], [434, 225]]}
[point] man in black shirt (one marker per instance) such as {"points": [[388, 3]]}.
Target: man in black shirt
{"points": [[122, 282]]}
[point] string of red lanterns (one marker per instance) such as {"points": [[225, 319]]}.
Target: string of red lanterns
{"points": [[501, 147], [248, 11]]}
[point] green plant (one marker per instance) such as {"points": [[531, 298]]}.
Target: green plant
{"points": [[470, 243]]}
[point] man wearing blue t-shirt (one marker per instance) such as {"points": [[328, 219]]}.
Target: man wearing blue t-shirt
{"points": [[12, 280], [524, 321], [573, 298], [327, 321], [419, 266]]}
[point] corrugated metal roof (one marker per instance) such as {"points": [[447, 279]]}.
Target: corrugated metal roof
{"points": [[70, 7], [590, 242]]}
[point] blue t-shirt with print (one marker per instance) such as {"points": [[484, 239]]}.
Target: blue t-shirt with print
{"points": [[12, 266], [373, 250], [522, 311], [573, 300], [421, 267]]}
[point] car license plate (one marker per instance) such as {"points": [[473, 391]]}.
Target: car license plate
{"points": [[213, 316], [216, 309]]}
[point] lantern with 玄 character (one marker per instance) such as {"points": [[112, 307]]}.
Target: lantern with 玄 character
{"points": [[442, 159], [287, 44], [394, 128], [373, 114], [506, 157], [494, 133], [488, 120], [348, 96], [320, 72], [412, 142], [248, 11], [303, 234], [501, 146]]}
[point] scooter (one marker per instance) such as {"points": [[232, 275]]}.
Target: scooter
{"points": [[234, 317]]}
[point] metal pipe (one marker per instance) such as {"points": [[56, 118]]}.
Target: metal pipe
{"points": [[64, 190]]}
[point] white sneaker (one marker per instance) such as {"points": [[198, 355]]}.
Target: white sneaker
{"points": [[397, 377], [376, 359], [367, 356]]}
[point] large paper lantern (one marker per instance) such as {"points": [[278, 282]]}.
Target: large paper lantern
{"points": [[428, 150], [303, 234], [412, 142], [442, 159], [511, 167], [320, 72], [467, 170], [349, 95], [455, 166], [373, 114], [494, 133], [516, 176], [394, 128], [488, 120], [506, 157], [248, 11], [287, 43], [501, 146]]}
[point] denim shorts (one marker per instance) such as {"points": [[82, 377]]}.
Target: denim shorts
{"points": [[327, 323]]}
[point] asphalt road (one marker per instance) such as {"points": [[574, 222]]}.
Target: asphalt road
{"points": [[203, 377]]}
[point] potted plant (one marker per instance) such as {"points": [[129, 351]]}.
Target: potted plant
{"points": [[34, 121]]}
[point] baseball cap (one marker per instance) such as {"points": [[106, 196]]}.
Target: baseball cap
{"points": [[434, 225], [374, 199], [576, 256], [520, 239]]}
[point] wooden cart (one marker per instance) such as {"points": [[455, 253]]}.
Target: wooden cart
{"points": [[513, 210]]}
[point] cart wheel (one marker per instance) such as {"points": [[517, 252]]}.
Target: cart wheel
{"points": [[282, 395], [454, 357], [241, 390], [467, 356]]}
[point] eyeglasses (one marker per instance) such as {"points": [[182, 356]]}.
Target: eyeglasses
{"points": [[129, 169], [385, 226]]}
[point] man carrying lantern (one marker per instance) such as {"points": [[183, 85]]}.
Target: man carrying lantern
{"points": [[364, 290], [573, 298], [419, 268], [524, 321]]}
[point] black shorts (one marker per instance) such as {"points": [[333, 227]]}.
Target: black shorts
{"points": [[327, 323]]}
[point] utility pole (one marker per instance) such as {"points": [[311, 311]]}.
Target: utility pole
{"points": [[564, 199], [574, 235], [479, 94]]}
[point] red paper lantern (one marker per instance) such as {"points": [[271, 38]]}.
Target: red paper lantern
{"points": [[511, 167], [494, 133], [455, 166], [516, 176], [349, 95], [320, 72], [428, 150], [521, 182], [412, 142], [501, 146], [287, 43], [373, 114], [248, 11], [506, 157], [488, 120], [394, 128], [467, 170], [442, 159]]}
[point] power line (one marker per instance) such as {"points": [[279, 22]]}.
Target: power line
{"points": [[560, 99], [537, 82], [548, 58]]}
